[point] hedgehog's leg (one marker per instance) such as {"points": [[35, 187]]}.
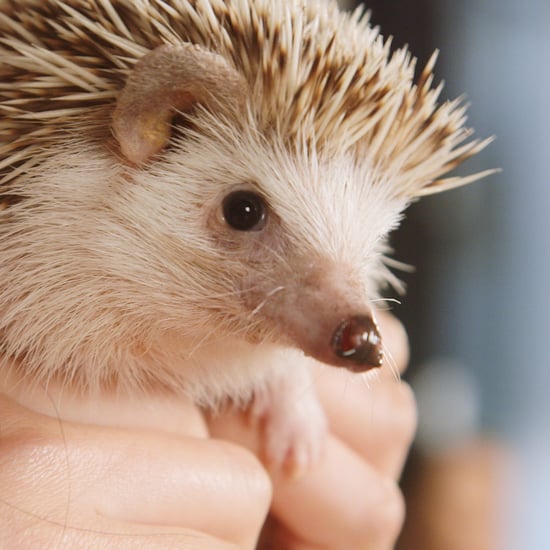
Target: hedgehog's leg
{"points": [[294, 424]]}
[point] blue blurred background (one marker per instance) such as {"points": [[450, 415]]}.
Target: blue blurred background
{"points": [[477, 308]]}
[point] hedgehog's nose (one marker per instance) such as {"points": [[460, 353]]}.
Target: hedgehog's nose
{"points": [[358, 341]]}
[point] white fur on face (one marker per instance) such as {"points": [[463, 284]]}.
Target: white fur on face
{"points": [[117, 275], [114, 273]]}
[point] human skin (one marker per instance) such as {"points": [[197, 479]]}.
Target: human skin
{"points": [[157, 474]]}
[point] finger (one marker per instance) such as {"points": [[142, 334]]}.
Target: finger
{"points": [[163, 413], [210, 486], [377, 420], [396, 344], [19, 529], [75, 475], [358, 507]]}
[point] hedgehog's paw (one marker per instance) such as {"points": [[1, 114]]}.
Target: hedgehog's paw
{"points": [[294, 424]]}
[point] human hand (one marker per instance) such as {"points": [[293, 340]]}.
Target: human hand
{"points": [[155, 482], [159, 481], [350, 499]]}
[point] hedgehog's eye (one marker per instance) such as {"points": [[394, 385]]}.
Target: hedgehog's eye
{"points": [[244, 211]]}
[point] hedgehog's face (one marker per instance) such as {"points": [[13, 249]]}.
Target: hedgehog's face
{"points": [[267, 242], [274, 241]]}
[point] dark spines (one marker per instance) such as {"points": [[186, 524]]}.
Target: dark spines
{"points": [[62, 64]]}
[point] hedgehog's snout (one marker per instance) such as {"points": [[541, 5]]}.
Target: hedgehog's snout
{"points": [[321, 309], [358, 342]]}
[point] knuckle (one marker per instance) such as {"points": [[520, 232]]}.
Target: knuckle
{"points": [[392, 513], [408, 416], [384, 522], [24, 436], [247, 471]]}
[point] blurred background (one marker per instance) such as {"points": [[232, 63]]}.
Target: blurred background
{"points": [[477, 307]]}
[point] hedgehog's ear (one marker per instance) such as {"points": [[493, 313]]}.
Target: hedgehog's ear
{"points": [[170, 79]]}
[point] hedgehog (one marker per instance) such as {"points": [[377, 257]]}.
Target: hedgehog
{"points": [[196, 196]]}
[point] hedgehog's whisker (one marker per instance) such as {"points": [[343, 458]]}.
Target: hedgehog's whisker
{"points": [[392, 364], [387, 300], [262, 304]]}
